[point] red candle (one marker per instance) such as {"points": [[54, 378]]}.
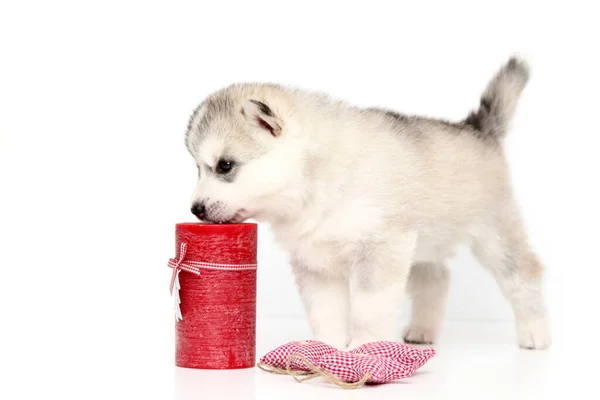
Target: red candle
{"points": [[216, 292]]}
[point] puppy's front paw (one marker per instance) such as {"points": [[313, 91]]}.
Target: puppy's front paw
{"points": [[534, 335], [418, 335]]}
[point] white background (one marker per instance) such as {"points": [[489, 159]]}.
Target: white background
{"points": [[94, 101]]}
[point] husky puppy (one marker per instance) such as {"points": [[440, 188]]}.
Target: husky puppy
{"points": [[370, 203]]}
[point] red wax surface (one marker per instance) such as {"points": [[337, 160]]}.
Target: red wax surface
{"points": [[218, 330]]}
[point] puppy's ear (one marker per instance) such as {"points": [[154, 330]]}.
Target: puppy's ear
{"points": [[260, 115]]}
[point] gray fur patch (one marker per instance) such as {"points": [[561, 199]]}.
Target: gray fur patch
{"points": [[263, 108], [231, 175], [212, 107], [415, 125]]}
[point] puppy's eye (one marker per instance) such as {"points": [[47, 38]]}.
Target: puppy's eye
{"points": [[224, 166]]}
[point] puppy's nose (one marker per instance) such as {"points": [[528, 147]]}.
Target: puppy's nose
{"points": [[199, 210]]}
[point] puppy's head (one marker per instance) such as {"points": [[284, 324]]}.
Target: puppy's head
{"points": [[247, 158]]}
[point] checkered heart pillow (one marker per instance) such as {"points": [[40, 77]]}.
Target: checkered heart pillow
{"points": [[398, 351], [312, 350], [375, 362]]}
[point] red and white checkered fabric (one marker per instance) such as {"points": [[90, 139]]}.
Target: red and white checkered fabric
{"points": [[352, 367], [311, 349], [383, 361], [401, 352]]}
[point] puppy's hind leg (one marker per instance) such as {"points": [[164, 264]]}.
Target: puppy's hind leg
{"points": [[503, 250], [428, 287]]}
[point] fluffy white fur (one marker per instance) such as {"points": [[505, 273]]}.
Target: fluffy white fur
{"points": [[370, 203]]}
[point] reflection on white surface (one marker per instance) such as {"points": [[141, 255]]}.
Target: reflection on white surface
{"points": [[199, 384], [473, 361]]}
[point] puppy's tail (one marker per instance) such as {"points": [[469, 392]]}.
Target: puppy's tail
{"points": [[499, 100]]}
